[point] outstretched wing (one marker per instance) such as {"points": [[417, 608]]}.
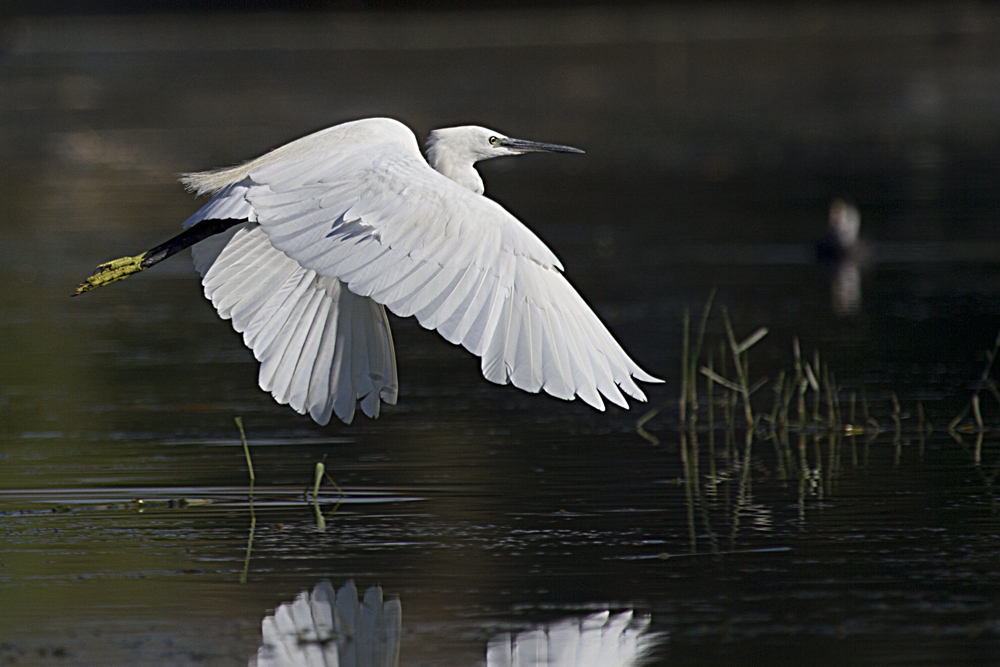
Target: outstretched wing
{"points": [[321, 347], [357, 202], [376, 216]]}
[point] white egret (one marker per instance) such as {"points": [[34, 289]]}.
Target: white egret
{"points": [[305, 247]]}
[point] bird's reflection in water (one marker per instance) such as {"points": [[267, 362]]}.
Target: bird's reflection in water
{"points": [[845, 254], [602, 639], [324, 629], [845, 288]]}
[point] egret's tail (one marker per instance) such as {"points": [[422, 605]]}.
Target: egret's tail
{"points": [[109, 272]]}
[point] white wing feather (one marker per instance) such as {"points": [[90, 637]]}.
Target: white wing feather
{"points": [[357, 204], [321, 347]]}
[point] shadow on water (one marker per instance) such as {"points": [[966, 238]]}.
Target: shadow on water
{"points": [[800, 506]]}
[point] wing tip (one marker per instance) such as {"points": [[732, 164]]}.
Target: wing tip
{"points": [[643, 376]]}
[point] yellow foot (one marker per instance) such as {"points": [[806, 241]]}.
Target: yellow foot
{"points": [[109, 272]]}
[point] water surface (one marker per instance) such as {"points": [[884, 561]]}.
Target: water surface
{"points": [[715, 141]]}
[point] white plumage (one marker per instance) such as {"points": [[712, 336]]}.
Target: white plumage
{"points": [[351, 220]]}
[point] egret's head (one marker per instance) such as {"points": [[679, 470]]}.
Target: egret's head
{"points": [[453, 150], [480, 143]]}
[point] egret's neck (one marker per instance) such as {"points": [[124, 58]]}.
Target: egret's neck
{"points": [[448, 153], [463, 174], [460, 171]]}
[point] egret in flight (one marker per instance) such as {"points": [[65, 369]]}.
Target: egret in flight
{"points": [[305, 247]]}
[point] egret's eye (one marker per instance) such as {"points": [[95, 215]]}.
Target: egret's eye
{"points": [[494, 141]]}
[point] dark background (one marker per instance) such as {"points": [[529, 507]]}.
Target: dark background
{"points": [[716, 135]]}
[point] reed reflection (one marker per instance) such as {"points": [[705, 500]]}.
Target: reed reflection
{"points": [[816, 430]]}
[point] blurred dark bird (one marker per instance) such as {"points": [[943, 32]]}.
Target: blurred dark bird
{"points": [[843, 239], [845, 254]]}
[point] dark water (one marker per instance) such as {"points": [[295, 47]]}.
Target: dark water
{"points": [[715, 142]]}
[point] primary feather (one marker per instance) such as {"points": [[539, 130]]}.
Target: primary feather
{"points": [[351, 220]]}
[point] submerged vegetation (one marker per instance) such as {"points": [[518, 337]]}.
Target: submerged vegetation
{"points": [[800, 427], [719, 392]]}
